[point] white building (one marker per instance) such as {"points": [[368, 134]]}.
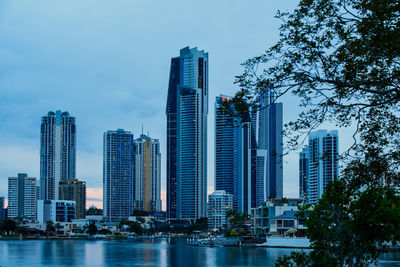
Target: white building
{"points": [[219, 203], [276, 216], [323, 148], [22, 196], [56, 211]]}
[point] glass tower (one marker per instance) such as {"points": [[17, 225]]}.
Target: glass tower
{"points": [[322, 161], [233, 154], [303, 174], [117, 175], [187, 109], [57, 152], [270, 139]]}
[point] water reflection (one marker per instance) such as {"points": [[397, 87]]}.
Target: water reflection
{"points": [[159, 252]]}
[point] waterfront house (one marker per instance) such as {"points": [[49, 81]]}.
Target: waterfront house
{"points": [[276, 216]]}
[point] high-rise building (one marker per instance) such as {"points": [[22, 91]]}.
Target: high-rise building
{"points": [[323, 147], [118, 175], [270, 138], [261, 178], [3, 210], [303, 174], [219, 203], [73, 189], [187, 109], [233, 172], [147, 178], [22, 197], [57, 152]]}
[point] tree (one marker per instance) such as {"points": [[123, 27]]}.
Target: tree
{"points": [[58, 227], [341, 58], [135, 227], [235, 218], [7, 226], [122, 223], [141, 220], [349, 227], [50, 228], [92, 229], [94, 211], [104, 232]]}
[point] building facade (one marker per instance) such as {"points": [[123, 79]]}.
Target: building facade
{"points": [[73, 189], [147, 178], [118, 175], [57, 152], [276, 216], [56, 211], [187, 109], [3, 210], [303, 174], [219, 203], [22, 197], [270, 139], [322, 167], [233, 156]]}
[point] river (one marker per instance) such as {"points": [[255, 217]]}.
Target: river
{"points": [[157, 252]]}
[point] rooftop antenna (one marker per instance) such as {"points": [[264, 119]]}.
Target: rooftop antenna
{"points": [[142, 128]]}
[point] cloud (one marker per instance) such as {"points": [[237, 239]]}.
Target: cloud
{"points": [[94, 196], [107, 63]]}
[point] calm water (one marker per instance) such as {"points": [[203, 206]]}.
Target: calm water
{"points": [[139, 253]]}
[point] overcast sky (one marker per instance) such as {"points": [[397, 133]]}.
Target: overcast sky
{"points": [[107, 64]]}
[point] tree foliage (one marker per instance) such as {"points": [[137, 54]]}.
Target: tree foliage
{"points": [[50, 228], [349, 227], [341, 58], [7, 226], [235, 218], [92, 229], [92, 210]]}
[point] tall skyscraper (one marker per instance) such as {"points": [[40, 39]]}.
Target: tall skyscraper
{"points": [[187, 109], [147, 178], [233, 172], [73, 189], [270, 138], [22, 197], [117, 175], [322, 152], [261, 177], [303, 174], [57, 152]]}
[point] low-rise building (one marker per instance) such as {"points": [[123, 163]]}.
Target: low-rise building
{"points": [[56, 211], [276, 217], [219, 203]]}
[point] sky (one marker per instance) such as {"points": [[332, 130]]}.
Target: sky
{"points": [[107, 63]]}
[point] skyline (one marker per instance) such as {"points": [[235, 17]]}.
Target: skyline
{"points": [[71, 62]]}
